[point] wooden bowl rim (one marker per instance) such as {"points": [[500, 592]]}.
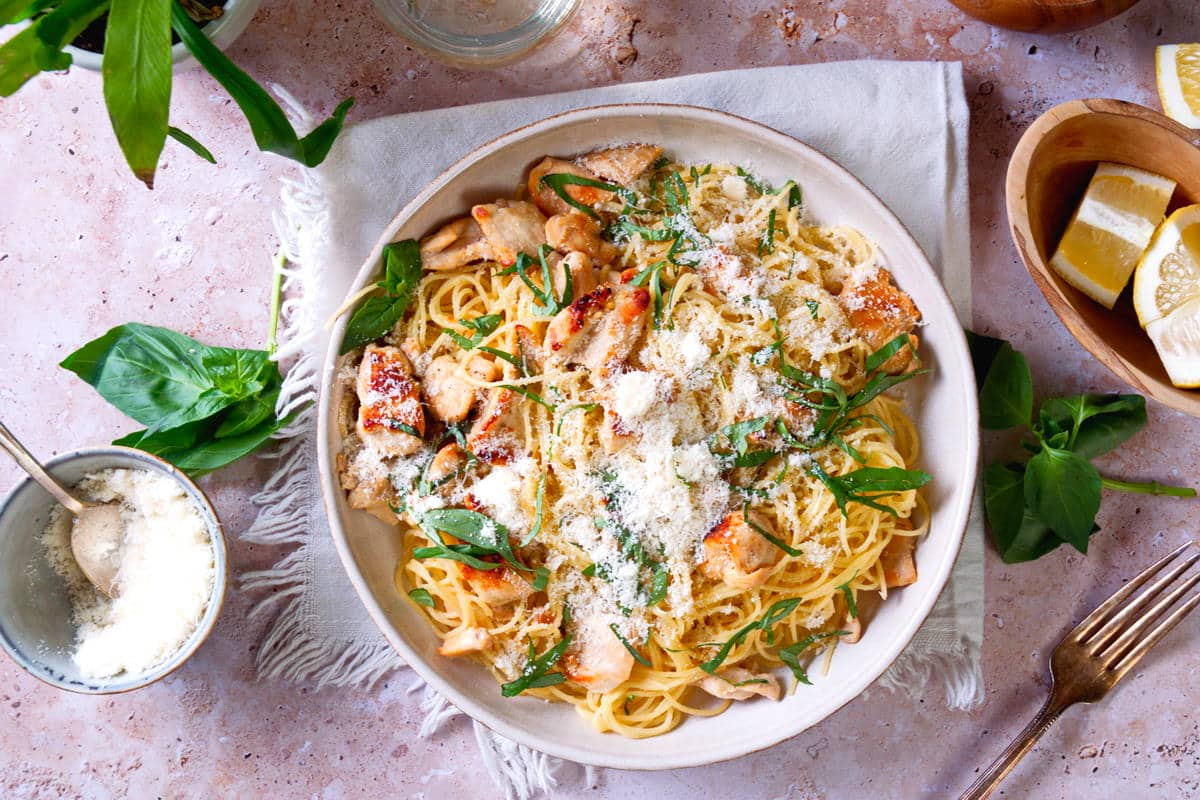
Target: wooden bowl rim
{"points": [[1050, 285]]}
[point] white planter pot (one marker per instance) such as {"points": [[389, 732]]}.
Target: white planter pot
{"points": [[221, 32]]}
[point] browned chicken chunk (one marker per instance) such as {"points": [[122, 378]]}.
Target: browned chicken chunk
{"points": [[493, 438], [455, 245], [448, 462], [447, 391], [739, 683], [596, 659], [623, 164], [389, 399], [549, 201], [462, 641], [600, 329], [880, 312], [496, 587], [579, 232], [736, 554], [511, 227], [899, 568]]}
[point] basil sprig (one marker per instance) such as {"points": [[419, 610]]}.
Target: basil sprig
{"points": [[776, 613], [203, 407], [879, 481], [1052, 497], [536, 673], [484, 537], [378, 314]]}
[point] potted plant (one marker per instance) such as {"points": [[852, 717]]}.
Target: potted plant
{"points": [[136, 68]]}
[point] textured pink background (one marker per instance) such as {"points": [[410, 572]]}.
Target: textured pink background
{"points": [[83, 247]]}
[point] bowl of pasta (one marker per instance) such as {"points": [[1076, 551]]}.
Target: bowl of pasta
{"points": [[643, 416]]}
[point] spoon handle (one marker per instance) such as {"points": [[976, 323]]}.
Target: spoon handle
{"points": [[30, 464]]}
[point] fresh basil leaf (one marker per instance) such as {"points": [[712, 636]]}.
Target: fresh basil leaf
{"points": [[536, 528], [559, 181], [190, 142], [850, 488], [38, 48], [659, 583], [530, 395], [376, 315], [1006, 396], [584, 407], [536, 673], [814, 308], [164, 379], [848, 593], [250, 412], [1097, 423], [1063, 490], [1018, 534], [638, 657], [269, 125], [776, 613], [883, 354], [766, 243], [790, 655], [14, 11], [421, 597], [204, 455], [983, 353], [755, 183], [137, 80]]}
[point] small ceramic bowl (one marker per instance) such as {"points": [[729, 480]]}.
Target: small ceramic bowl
{"points": [[35, 609], [1049, 170], [221, 31]]}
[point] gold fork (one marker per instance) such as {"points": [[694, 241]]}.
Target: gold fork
{"points": [[1100, 651]]}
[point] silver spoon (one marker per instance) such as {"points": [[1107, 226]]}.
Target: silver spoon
{"points": [[98, 530]]}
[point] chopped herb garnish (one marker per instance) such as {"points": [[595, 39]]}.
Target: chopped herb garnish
{"points": [[537, 522], [814, 308], [766, 244], [547, 304], [531, 395], [482, 326], [638, 657], [790, 655], [737, 436], [483, 535], [848, 593], [753, 182], [421, 597], [403, 427], [585, 407], [851, 487], [536, 672], [774, 614], [559, 181], [763, 532]]}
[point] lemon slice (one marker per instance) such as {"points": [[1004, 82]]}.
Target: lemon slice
{"points": [[1177, 67], [1176, 337], [1110, 230], [1168, 274]]}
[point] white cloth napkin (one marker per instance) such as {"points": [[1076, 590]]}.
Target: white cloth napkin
{"points": [[901, 127]]}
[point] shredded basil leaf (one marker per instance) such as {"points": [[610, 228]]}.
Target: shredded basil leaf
{"points": [[773, 615], [536, 673], [585, 407], [850, 488], [791, 655], [638, 657], [421, 597]]}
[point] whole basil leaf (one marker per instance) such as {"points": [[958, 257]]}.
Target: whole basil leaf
{"points": [[269, 125], [377, 315], [194, 449], [137, 80], [38, 48], [164, 379], [1018, 535], [1063, 490], [1006, 396], [248, 413], [1097, 422]]}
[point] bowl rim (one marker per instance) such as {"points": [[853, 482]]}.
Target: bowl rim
{"points": [[957, 517], [1049, 284], [216, 600]]}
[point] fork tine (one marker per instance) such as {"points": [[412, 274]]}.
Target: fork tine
{"points": [[1093, 620], [1162, 629], [1113, 652], [1121, 619]]}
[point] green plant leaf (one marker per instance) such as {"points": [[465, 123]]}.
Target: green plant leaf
{"points": [[38, 48], [1018, 535], [1063, 491], [188, 141], [421, 597], [1096, 423], [13, 11], [983, 353], [1006, 396], [536, 672], [137, 80], [164, 379], [193, 449], [377, 315], [850, 488], [269, 125]]}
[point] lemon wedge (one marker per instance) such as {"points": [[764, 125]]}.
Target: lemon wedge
{"points": [[1177, 67], [1166, 295], [1110, 230]]}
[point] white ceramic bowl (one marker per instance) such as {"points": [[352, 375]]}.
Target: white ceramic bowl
{"points": [[943, 405], [221, 31]]}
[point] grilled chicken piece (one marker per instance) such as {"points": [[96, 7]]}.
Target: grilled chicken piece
{"points": [[578, 232], [622, 164], [899, 568], [447, 391], [880, 311], [371, 496], [583, 277], [465, 640], [736, 554], [600, 337], [389, 400], [530, 348], [496, 587], [511, 227], [455, 245], [448, 462], [596, 659], [724, 685], [549, 201], [853, 626], [493, 438], [614, 434]]}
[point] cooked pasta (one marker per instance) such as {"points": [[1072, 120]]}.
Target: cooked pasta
{"points": [[634, 433]]}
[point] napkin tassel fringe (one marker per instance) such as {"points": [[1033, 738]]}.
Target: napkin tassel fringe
{"points": [[957, 671]]}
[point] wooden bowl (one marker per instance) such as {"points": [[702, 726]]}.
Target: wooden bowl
{"points": [[1044, 16], [1047, 176]]}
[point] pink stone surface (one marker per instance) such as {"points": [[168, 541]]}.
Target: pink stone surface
{"points": [[84, 247]]}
